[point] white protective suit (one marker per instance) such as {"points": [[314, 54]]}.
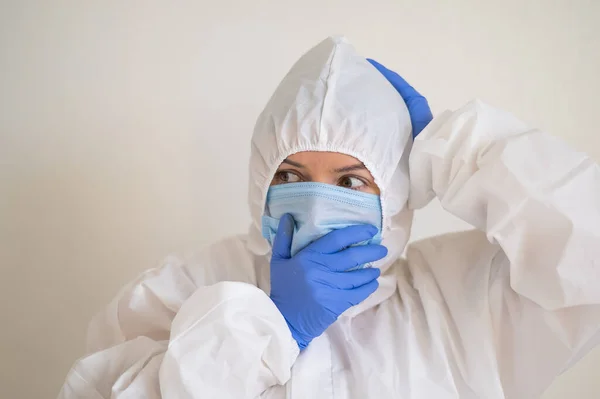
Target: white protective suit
{"points": [[497, 312]]}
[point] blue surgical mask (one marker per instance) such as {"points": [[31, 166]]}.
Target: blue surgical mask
{"points": [[319, 209]]}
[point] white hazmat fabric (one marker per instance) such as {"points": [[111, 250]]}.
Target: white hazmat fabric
{"points": [[334, 100], [496, 312]]}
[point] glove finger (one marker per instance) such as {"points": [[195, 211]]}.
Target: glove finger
{"points": [[418, 107], [359, 294], [283, 239], [420, 114], [354, 257], [351, 280], [407, 92], [345, 299], [338, 240]]}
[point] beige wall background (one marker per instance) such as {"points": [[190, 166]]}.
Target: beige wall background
{"points": [[124, 132]]}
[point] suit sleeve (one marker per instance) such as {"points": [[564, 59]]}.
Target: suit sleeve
{"points": [[537, 203], [173, 334]]}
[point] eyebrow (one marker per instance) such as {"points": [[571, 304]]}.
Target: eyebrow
{"points": [[296, 164], [358, 166], [350, 168]]}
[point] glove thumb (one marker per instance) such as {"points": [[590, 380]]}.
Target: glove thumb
{"points": [[282, 244]]}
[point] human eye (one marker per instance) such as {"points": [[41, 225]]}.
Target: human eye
{"points": [[353, 183], [285, 177]]}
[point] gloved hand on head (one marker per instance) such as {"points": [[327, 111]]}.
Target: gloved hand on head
{"points": [[314, 287], [418, 107]]}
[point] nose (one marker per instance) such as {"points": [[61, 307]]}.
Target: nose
{"points": [[324, 177]]}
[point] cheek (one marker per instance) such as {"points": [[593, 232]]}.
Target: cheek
{"points": [[373, 190]]}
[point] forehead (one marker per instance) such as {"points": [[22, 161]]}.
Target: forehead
{"points": [[318, 159]]}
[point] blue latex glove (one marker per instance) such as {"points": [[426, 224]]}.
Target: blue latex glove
{"points": [[313, 288], [418, 108]]}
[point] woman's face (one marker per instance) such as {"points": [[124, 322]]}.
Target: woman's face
{"points": [[326, 167]]}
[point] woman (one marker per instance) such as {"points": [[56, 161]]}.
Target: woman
{"points": [[497, 312]]}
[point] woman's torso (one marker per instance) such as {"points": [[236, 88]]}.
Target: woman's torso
{"points": [[419, 337]]}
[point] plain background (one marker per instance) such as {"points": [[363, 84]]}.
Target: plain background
{"points": [[125, 126]]}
